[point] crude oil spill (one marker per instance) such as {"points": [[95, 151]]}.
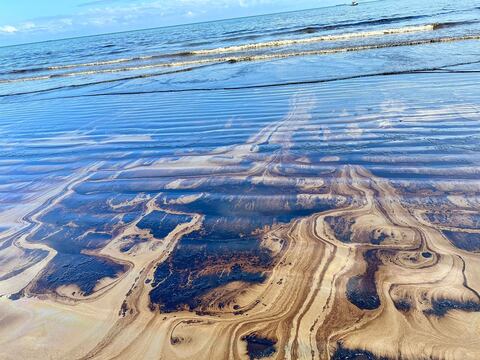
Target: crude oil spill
{"points": [[347, 354], [259, 347], [464, 240], [440, 307], [362, 289], [161, 223]]}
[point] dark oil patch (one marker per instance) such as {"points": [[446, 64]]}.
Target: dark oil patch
{"points": [[378, 239], [130, 241], [82, 270], [341, 226], [16, 296], [78, 224], [464, 240], [440, 307], [403, 305], [361, 289], [342, 353], [161, 223], [259, 347], [199, 265], [459, 219]]}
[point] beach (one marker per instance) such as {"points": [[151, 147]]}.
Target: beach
{"points": [[290, 186]]}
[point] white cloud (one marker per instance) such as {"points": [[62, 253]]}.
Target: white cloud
{"points": [[9, 29], [28, 25], [136, 10], [104, 15]]}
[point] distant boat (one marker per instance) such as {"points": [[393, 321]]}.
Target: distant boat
{"points": [[354, 3]]}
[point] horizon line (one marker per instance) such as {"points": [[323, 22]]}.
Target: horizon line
{"points": [[177, 25]]}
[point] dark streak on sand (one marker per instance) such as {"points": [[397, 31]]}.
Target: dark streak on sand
{"points": [[440, 307], [161, 223], [343, 353], [259, 347], [341, 226], [76, 228], [464, 240], [361, 289]]}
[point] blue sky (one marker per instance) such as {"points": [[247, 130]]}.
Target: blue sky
{"points": [[23, 21]]}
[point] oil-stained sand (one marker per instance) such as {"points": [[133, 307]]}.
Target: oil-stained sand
{"points": [[331, 232]]}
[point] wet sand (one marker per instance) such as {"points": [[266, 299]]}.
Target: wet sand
{"points": [[328, 233]]}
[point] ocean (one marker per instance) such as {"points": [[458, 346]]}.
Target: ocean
{"points": [[296, 185]]}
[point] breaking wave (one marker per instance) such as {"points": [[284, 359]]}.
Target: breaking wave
{"points": [[252, 57], [224, 50]]}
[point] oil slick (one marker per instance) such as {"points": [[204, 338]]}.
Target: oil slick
{"points": [[251, 251]]}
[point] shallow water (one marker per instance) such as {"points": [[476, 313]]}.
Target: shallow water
{"points": [[183, 166]]}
